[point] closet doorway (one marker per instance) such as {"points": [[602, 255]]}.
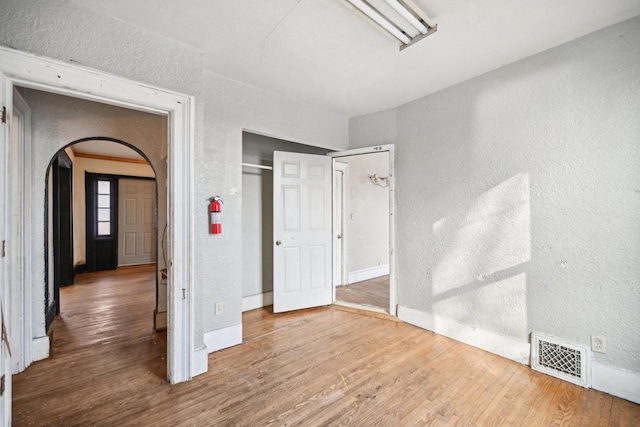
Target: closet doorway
{"points": [[257, 214], [302, 218]]}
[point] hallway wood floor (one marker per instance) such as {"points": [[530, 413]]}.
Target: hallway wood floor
{"points": [[373, 292], [312, 367]]}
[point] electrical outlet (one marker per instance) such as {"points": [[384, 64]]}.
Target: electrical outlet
{"points": [[219, 308], [597, 344]]}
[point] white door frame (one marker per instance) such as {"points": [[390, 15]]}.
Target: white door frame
{"points": [[390, 148], [45, 74], [340, 266], [18, 248], [5, 362]]}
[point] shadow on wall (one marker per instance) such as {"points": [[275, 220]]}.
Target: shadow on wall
{"points": [[517, 197], [483, 251]]}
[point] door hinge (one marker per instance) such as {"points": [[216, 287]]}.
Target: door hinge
{"points": [[184, 294], [4, 114], [4, 252]]}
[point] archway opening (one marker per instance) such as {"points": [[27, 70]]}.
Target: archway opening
{"points": [[103, 240]]}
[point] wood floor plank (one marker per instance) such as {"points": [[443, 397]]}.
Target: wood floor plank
{"points": [[322, 366], [365, 386], [373, 292], [332, 368]]}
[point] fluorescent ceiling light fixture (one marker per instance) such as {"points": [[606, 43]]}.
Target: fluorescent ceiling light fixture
{"points": [[402, 11], [407, 13], [380, 20]]}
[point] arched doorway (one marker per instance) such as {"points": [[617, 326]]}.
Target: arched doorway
{"points": [[101, 213]]}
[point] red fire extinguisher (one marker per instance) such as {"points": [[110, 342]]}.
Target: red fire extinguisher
{"points": [[215, 215]]}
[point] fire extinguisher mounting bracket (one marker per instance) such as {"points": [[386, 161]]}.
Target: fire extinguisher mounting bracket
{"points": [[215, 199]]}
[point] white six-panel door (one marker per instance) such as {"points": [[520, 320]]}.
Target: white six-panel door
{"points": [[136, 231], [301, 231]]}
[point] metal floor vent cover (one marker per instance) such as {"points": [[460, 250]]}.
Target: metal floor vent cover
{"points": [[561, 360]]}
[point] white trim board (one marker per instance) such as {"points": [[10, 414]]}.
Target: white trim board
{"points": [[223, 338], [31, 71], [199, 361], [253, 302], [368, 273], [20, 249], [40, 348], [340, 244], [489, 341], [360, 306], [159, 320], [608, 379], [615, 381]]}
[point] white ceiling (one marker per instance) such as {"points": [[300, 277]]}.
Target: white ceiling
{"points": [[106, 148], [322, 53]]}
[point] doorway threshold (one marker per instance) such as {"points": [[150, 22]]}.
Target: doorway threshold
{"points": [[365, 310]]}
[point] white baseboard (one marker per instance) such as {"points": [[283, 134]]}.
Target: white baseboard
{"points": [[507, 347], [615, 381], [159, 320], [40, 348], [257, 301], [199, 362], [368, 273], [223, 338]]}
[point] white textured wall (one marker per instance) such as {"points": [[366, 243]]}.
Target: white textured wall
{"points": [[373, 129], [367, 218], [63, 30], [230, 108], [518, 196]]}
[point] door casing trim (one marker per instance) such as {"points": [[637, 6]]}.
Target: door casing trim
{"points": [[390, 148], [35, 72]]}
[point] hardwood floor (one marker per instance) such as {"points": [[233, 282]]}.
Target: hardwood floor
{"points": [[313, 367], [372, 292]]}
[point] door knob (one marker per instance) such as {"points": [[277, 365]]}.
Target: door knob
{"points": [[278, 242]]}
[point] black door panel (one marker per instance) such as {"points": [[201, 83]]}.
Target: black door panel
{"points": [[102, 222]]}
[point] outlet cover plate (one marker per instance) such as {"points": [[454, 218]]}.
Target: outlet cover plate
{"points": [[598, 344]]}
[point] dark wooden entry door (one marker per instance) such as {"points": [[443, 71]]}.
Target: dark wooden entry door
{"points": [[102, 222]]}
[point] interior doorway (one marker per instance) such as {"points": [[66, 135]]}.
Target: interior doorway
{"points": [[361, 214], [21, 203], [257, 214], [119, 216], [121, 220], [86, 182], [291, 233]]}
